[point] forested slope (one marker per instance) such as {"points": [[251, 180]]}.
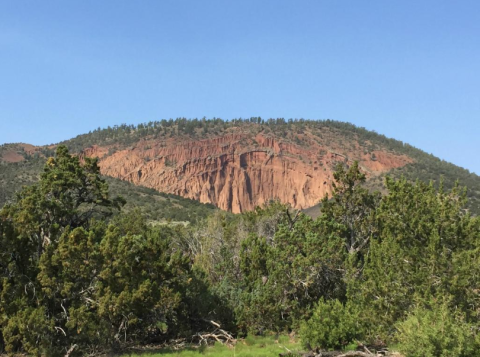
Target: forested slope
{"points": [[155, 206]]}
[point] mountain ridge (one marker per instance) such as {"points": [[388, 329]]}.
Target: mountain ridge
{"points": [[241, 164]]}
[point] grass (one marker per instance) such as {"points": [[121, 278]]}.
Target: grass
{"points": [[250, 346]]}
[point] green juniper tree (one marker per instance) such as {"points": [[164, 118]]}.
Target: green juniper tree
{"points": [[68, 196], [71, 281]]}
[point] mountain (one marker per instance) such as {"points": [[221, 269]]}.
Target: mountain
{"points": [[240, 164]]}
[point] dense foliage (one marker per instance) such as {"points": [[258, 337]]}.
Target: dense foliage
{"points": [[358, 272], [437, 330], [70, 278], [401, 269], [332, 324]]}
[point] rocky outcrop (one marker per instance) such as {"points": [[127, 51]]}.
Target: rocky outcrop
{"points": [[236, 171]]}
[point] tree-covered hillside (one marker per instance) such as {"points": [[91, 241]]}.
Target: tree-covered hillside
{"points": [[155, 206]]}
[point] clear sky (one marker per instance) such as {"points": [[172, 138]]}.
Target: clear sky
{"points": [[408, 69]]}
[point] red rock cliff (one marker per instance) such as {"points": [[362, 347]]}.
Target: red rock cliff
{"points": [[236, 171]]}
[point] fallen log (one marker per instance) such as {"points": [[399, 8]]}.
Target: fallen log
{"points": [[217, 335]]}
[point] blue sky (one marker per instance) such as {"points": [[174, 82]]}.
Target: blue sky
{"points": [[406, 69]]}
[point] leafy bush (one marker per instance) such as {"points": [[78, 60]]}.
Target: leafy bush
{"points": [[436, 331], [332, 325]]}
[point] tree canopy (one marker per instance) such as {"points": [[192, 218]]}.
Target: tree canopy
{"points": [[399, 268]]}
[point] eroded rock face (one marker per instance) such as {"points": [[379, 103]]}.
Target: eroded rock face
{"points": [[236, 171]]}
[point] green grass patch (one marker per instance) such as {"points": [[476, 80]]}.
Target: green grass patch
{"points": [[265, 346]]}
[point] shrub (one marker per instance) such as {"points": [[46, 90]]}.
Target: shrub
{"points": [[436, 331], [332, 326]]}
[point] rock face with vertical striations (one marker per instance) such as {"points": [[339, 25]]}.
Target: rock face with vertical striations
{"points": [[240, 164], [239, 169]]}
